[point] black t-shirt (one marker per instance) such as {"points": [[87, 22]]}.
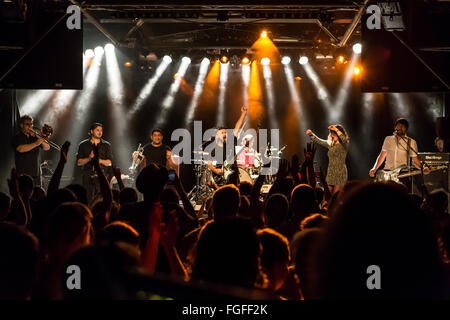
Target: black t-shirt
{"points": [[26, 162], [104, 152], [157, 155], [226, 154]]}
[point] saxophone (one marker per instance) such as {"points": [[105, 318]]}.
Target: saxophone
{"points": [[136, 161]]}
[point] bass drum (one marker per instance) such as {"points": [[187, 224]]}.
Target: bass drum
{"points": [[244, 176]]}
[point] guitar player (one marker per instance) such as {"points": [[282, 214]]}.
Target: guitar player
{"points": [[224, 153], [398, 150]]}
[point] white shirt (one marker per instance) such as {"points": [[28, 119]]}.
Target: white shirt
{"points": [[396, 151]]}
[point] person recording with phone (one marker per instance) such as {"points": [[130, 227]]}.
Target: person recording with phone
{"points": [[86, 154], [27, 145]]}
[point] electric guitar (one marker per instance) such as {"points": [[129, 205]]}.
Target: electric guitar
{"points": [[395, 175], [227, 169]]}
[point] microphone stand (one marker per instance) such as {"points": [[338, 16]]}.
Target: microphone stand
{"points": [[422, 164]]}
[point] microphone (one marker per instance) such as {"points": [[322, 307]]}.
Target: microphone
{"points": [[395, 131]]}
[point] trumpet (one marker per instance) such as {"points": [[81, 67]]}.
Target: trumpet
{"points": [[45, 133], [136, 161]]}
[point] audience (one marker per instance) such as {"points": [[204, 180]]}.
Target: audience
{"points": [[242, 240]]}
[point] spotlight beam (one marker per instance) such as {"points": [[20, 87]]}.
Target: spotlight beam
{"points": [[81, 106], [246, 80], [148, 88], [335, 114], [322, 92], [223, 79], [297, 102], [402, 108], [197, 90], [35, 101], [270, 97], [170, 97], [116, 97]]}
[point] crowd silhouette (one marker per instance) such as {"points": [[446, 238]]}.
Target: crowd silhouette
{"points": [[297, 242]]}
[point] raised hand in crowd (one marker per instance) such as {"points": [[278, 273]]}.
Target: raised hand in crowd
{"points": [[294, 169], [307, 168], [18, 213], [118, 176], [105, 188], [168, 237], [187, 205], [150, 254]]}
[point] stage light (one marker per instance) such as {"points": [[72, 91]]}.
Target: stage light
{"points": [[223, 79], [127, 64], [245, 61], [357, 48], [321, 90], [148, 88], [109, 47], [99, 51], [264, 34], [341, 59], [297, 103], [267, 73], [265, 61], [117, 109], [303, 60], [246, 80], [197, 91], [89, 53], [286, 60], [175, 75], [170, 97], [224, 59], [336, 113], [356, 70]]}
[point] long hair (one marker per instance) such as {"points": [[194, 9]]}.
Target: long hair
{"points": [[341, 129]]}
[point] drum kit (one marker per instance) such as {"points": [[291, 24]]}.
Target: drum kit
{"points": [[249, 167]]}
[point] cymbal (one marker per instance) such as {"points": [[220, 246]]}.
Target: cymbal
{"points": [[201, 153], [199, 161]]}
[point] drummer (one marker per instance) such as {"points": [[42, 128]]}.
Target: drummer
{"points": [[246, 158]]}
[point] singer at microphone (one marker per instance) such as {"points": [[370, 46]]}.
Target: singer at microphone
{"points": [[398, 150]]}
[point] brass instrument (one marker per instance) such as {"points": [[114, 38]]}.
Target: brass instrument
{"points": [[136, 161], [45, 133]]}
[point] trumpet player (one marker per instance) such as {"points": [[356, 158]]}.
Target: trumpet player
{"points": [[157, 152], [27, 145]]}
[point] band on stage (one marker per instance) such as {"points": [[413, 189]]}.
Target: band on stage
{"points": [[399, 153]]}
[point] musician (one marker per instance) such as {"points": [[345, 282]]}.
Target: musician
{"points": [[246, 157], [397, 150], [156, 152], [27, 146], [220, 148], [86, 154], [337, 145]]}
